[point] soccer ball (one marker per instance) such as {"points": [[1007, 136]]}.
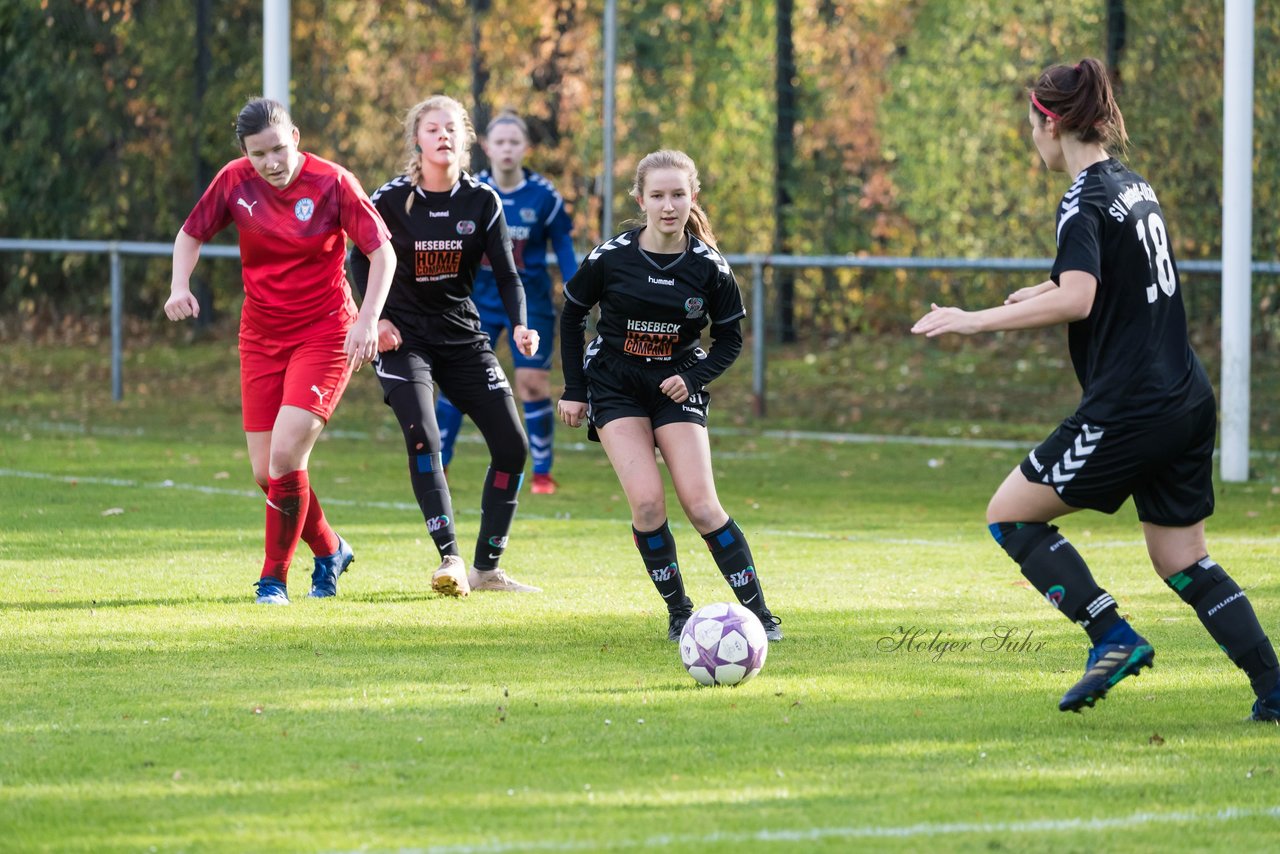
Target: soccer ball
{"points": [[723, 644]]}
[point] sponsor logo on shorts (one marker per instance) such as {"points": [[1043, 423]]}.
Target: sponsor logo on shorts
{"points": [[304, 209], [1035, 462], [320, 394], [1075, 456], [692, 410], [466, 226]]}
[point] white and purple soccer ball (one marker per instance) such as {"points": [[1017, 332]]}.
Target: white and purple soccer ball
{"points": [[723, 644]]}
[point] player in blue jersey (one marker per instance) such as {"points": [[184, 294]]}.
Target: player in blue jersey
{"points": [[1146, 423], [535, 216]]}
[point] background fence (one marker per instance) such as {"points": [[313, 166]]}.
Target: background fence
{"points": [[826, 323]]}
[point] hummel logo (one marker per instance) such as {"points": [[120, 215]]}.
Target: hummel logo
{"points": [[1076, 456], [246, 205], [320, 394], [437, 213]]}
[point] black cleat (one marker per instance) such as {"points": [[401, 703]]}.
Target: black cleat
{"points": [[1108, 663], [676, 618], [1267, 708], [771, 628]]}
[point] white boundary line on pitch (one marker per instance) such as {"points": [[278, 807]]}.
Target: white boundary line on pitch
{"points": [[910, 831], [94, 480], [471, 436]]}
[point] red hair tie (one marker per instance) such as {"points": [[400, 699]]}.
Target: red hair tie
{"points": [[1042, 108]]}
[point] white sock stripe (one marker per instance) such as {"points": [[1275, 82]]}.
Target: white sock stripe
{"points": [[1100, 604]]}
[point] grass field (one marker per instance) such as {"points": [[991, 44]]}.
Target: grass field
{"points": [[148, 705]]}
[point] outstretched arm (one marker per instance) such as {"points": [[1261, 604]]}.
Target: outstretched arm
{"points": [[1072, 300]]}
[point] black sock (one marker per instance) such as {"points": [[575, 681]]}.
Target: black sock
{"points": [[1055, 568], [1226, 613], [411, 402], [426, 474], [497, 508], [658, 551], [732, 555]]}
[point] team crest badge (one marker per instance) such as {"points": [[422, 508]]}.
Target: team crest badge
{"points": [[693, 305], [466, 226], [528, 215], [304, 209]]}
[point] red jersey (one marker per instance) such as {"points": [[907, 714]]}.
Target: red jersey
{"points": [[293, 242]]}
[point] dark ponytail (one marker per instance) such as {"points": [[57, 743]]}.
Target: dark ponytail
{"points": [[1079, 97]]}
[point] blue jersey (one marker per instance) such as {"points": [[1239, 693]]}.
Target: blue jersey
{"points": [[535, 215]]}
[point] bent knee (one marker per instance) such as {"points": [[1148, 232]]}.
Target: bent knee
{"points": [[649, 512]]}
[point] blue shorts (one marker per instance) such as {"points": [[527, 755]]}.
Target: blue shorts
{"points": [[543, 323]]}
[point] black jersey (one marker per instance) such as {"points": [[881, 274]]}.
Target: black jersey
{"points": [[652, 314], [440, 239], [1131, 354]]}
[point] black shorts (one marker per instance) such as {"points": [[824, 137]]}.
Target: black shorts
{"points": [[1167, 467], [617, 390], [469, 374]]}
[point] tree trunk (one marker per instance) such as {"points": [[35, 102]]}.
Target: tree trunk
{"points": [[479, 82], [784, 168]]}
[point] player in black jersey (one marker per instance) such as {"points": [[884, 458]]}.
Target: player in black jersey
{"points": [[1146, 424], [443, 221], [643, 381]]}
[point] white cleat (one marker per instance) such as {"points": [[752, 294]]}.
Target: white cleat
{"points": [[496, 579], [451, 578]]}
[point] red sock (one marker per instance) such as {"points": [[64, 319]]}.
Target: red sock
{"points": [[287, 500], [316, 532]]}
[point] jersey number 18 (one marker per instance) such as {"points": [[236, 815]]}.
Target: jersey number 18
{"points": [[1155, 242]]}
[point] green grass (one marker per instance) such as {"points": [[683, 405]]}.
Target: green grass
{"points": [[148, 704]]}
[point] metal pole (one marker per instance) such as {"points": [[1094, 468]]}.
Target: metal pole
{"points": [[610, 104], [1237, 236], [757, 339], [117, 327], [275, 50]]}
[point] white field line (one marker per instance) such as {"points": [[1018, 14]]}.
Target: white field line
{"points": [[910, 831], [410, 507], [472, 437]]}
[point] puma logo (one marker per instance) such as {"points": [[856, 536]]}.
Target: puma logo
{"points": [[320, 394], [246, 205]]}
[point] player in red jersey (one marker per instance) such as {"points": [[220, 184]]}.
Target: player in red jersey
{"points": [[300, 334]]}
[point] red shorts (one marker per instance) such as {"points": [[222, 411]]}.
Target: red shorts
{"points": [[310, 373]]}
